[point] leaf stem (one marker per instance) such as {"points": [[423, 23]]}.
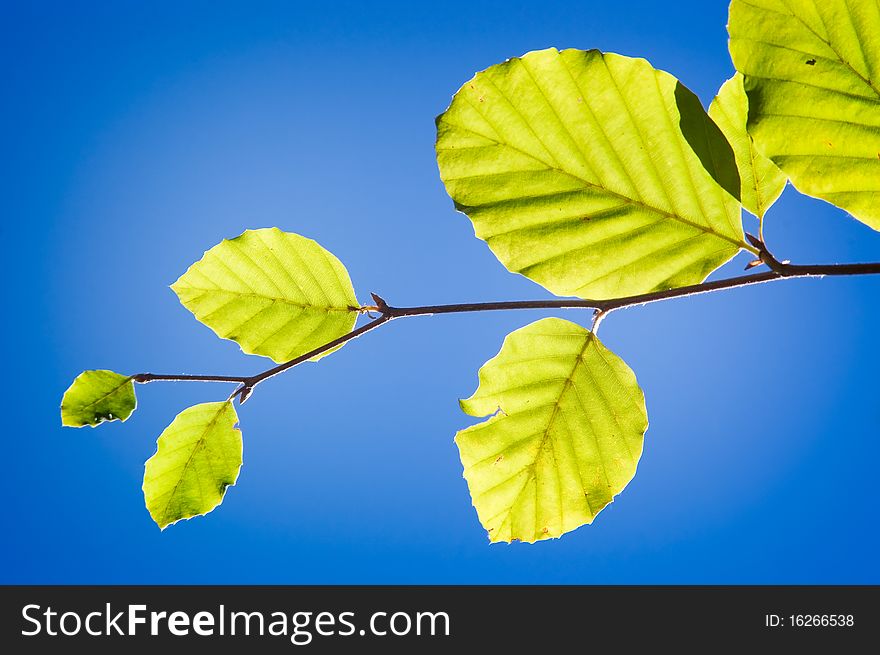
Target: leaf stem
{"points": [[778, 271]]}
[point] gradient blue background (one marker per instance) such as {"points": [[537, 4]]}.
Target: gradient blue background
{"points": [[135, 135]]}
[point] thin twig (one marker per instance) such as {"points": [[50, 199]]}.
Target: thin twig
{"points": [[248, 384], [779, 271], [143, 378]]}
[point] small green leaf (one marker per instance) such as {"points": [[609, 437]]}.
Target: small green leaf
{"points": [[761, 180], [275, 293], [197, 458], [594, 175], [98, 396], [812, 75], [566, 435]]}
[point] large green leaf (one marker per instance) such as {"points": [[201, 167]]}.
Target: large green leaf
{"points": [[812, 75], [98, 396], [761, 181], [275, 293], [566, 438], [593, 174], [197, 457]]}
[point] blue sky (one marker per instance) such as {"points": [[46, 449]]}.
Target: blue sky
{"points": [[137, 135]]}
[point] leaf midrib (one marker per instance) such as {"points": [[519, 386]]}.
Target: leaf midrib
{"points": [[262, 296], [626, 199], [567, 382], [199, 444], [840, 57], [108, 394]]}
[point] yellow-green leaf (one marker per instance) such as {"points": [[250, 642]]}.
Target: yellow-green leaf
{"points": [[197, 457], [812, 75], [566, 435], [761, 181], [592, 174], [98, 396], [275, 293]]}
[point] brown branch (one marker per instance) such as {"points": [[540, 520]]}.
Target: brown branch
{"points": [[779, 271], [143, 378]]}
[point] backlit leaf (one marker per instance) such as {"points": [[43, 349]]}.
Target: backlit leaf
{"points": [[566, 438], [275, 293], [197, 458], [812, 75], [761, 181], [98, 396], [593, 174]]}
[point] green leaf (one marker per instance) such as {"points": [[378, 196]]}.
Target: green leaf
{"points": [[761, 180], [566, 438], [812, 75], [275, 293], [197, 458], [592, 174], [98, 396]]}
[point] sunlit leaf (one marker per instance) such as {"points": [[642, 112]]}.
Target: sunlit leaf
{"points": [[761, 181], [275, 293], [98, 396], [812, 75], [198, 456], [593, 174], [566, 435]]}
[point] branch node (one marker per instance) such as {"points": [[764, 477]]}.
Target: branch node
{"points": [[755, 241], [243, 392], [765, 256], [381, 305], [774, 264]]}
